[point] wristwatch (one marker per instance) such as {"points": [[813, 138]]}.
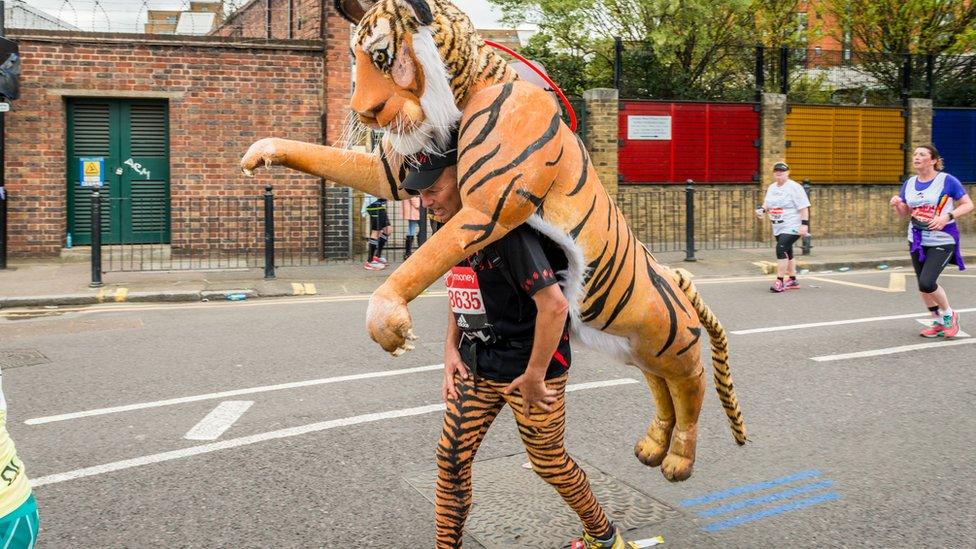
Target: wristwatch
{"points": [[951, 217]]}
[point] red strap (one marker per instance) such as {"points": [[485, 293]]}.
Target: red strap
{"points": [[555, 88]]}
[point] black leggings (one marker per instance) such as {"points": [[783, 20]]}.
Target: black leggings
{"points": [[936, 258], [784, 245]]}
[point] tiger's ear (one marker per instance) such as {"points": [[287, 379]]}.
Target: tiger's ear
{"points": [[353, 10], [421, 10], [404, 70]]}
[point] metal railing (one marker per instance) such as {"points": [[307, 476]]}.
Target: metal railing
{"points": [[691, 218], [205, 233]]}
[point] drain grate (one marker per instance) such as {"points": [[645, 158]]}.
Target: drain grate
{"points": [[17, 358], [513, 507]]}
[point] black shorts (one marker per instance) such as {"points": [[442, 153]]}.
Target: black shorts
{"points": [[378, 219]]}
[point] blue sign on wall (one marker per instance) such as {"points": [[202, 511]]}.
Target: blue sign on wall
{"points": [[954, 134]]}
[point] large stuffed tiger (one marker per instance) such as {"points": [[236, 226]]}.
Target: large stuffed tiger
{"points": [[422, 70]]}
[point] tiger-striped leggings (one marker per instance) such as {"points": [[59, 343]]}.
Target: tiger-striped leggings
{"points": [[466, 422]]}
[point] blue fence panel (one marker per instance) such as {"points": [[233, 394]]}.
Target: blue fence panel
{"points": [[954, 134]]}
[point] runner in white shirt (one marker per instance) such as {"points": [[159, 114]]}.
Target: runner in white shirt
{"points": [[788, 208]]}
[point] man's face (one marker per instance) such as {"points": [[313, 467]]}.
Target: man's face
{"points": [[443, 198], [780, 176]]}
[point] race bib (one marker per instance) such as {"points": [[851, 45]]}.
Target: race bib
{"points": [[775, 214], [924, 213], [467, 304]]}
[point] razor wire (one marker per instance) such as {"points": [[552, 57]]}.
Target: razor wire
{"points": [[182, 17]]}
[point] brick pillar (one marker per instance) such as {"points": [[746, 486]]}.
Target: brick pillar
{"points": [[773, 136], [602, 123], [337, 222], [918, 130]]}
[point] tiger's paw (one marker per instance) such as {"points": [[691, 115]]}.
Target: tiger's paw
{"points": [[677, 468], [389, 323], [680, 461], [651, 449], [264, 152]]}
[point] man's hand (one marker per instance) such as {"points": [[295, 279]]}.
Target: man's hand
{"points": [[804, 230], [534, 393], [452, 364]]}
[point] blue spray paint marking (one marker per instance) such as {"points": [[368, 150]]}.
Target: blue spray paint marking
{"points": [[735, 521], [715, 496], [729, 507]]}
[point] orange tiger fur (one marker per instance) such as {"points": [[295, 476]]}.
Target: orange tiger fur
{"points": [[518, 163]]}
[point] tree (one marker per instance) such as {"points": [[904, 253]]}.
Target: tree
{"points": [[674, 49], [946, 29]]}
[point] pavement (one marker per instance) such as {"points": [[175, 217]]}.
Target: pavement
{"points": [[61, 282]]}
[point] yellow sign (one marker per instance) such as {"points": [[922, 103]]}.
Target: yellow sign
{"points": [[93, 169]]}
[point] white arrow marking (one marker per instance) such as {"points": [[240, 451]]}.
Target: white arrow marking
{"points": [[218, 420]]}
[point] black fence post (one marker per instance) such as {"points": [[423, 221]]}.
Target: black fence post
{"points": [[760, 71], [906, 77], [784, 70], [808, 239], [618, 59], [269, 234], [690, 221], [96, 239], [3, 227], [929, 78]]}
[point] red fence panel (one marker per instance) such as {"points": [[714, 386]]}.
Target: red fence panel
{"points": [[665, 142]]}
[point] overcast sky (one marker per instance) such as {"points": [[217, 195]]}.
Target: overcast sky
{"points": [[130, 15]]}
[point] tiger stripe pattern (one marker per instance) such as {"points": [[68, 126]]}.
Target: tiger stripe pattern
{"points": [[466, 422], [720, 355], [420, 69]]}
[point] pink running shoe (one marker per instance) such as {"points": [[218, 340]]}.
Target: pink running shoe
{"points": [[951, 325], [935, 330], [777, 286], [374, 266], [792, 284]]}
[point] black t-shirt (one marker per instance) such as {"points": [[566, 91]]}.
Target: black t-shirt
{"points": [[491, 296]]}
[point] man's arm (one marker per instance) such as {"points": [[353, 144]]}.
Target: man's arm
{"points": [[549, 324]]}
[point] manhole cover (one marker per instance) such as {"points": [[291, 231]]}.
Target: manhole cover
{"points": [[16, 358], [513, 507]]}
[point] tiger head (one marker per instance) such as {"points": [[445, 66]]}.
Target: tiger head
{"points": [[416, 63]]}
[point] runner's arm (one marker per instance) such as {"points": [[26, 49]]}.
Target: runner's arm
{"points": [[550, 321]]}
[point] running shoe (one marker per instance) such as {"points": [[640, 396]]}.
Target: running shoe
{"points": [[589, 542], [777, 286], [951, 324], [792, 284], [374, 266], [935, 330], [382, 260]]}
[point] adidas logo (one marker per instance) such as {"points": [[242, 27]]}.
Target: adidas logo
{"points": [[462, 323]]}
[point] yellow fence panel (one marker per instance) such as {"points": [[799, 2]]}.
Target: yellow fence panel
{"points": [[845, 144]]}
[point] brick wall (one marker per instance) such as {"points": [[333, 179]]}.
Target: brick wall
{"points": [[222, 96], [251, 20]]}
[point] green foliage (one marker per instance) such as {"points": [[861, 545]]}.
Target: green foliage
{"points": [[946, 29]]}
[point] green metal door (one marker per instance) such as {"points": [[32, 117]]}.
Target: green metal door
{"points": [[132, 137]]}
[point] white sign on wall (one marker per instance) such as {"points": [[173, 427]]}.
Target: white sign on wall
{"points": [[656, 128]]}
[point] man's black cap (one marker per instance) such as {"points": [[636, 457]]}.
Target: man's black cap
{"points": [[781, 167], [425, 168]]}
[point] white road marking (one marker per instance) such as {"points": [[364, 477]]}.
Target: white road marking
{"points": [[896, 283], [263, 302], [927, 321], [226, 394], [894, 350], [271, 435], [834, 323], [218, 420]]}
